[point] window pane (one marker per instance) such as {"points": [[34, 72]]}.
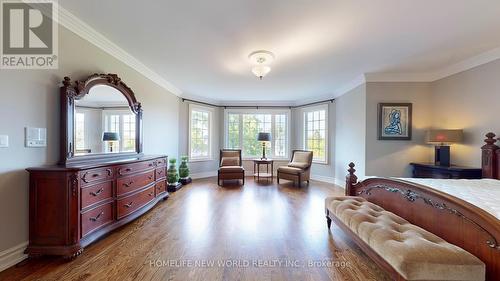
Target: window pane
{"points": [[80, 131], [128, 133], [316, 133], [200, 134], [233, 131], [280, 136]]}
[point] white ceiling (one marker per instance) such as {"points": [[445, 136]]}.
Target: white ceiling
{"points": [[201, 47]]}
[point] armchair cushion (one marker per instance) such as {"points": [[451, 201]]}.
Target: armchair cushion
{"points": [[301, 159], [230, 161], [298, 165], [290, 170], [231, 169]]}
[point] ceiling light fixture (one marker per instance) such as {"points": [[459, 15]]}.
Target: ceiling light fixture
{"points": [[261, 59]]}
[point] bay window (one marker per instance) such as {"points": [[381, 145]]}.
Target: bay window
{"points": [[243, 126]]}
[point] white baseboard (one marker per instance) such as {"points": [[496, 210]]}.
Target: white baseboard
{"points": [[204, 175], [13, 256], [323, 178], [340, 182]]}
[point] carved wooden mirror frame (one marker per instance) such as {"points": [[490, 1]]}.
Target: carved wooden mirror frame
{"points": [[77, 90]]}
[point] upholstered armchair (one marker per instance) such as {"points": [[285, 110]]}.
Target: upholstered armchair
{"points": [[299, 169], [230, 166]]}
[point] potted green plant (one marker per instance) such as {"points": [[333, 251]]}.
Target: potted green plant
{"points": [[184, 171], [173, 176]]}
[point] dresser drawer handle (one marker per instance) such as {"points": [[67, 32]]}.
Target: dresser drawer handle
{"points": [[96, 217], [126, 170], [109, 172], [151, 193], [128, 205], [160, 172], [150, 164], [96, 175], [97, 192], [150, 177], [128, 184]]}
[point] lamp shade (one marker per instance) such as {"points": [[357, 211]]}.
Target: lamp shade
{"points": [[444, 136], [264, 137], [110, 136]]}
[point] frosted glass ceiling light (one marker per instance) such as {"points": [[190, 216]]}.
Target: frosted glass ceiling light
{"points": [[261, 70], [261, 59]]}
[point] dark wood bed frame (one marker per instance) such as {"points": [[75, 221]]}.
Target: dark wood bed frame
{"points": [[452, 219]]}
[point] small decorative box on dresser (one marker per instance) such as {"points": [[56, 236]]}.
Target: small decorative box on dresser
{"points": [[73, 205], [425, 170]]}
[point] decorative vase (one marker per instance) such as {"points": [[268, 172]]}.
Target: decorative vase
{"points": [[173, 176], [184, 171]]}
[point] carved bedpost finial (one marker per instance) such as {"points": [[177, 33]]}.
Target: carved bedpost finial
{"points": [[351, 169], [67, 81], [490, 138], [350, 180], [489, 156]]}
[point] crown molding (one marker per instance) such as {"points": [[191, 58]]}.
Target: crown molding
{"points": [[444, 72], [398, 77], [470, 63], [80, 28]]}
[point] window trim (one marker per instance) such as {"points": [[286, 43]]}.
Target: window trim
{"points": [[304, 130], [274, 112], [210, 112]]}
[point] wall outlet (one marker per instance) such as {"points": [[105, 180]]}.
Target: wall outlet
{"points": [[4, 141], [36, 137]]}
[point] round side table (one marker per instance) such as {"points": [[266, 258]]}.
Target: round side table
{"points": [[268, 175]]}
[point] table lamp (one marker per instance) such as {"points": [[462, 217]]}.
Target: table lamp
{"points": [[264, 137], [110, 137], [442, 140]]}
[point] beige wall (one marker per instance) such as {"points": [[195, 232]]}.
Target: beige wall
{"points": [[350, 135], [471, 101], [390, 158], [31, 98]]}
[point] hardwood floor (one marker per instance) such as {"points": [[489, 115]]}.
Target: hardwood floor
{"points": [[259, 232]]}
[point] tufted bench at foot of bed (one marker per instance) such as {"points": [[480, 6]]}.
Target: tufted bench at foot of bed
{"points": [[405, 251]]}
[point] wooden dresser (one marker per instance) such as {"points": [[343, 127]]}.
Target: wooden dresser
{"points": [[73, 205]]}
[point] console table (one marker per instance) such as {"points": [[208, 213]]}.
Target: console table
{"points": [[256, 169]]}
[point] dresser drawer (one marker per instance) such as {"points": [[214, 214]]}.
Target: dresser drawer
{"points": [[135, 182], [134, 202], [161, 162], [96, 193], [160, 173], [95, 175], [161, 187], [129, 169], [96, 218]]}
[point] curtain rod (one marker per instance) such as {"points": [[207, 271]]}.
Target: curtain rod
{"points": [[259, 106]]}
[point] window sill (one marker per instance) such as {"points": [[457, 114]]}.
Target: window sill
{"points": [[274, 159], [200, 160], [320, 162]]}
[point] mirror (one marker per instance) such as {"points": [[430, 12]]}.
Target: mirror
{"points": [[104, 122], [101, 119]]}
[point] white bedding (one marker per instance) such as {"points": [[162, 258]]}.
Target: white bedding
{"points": [[484, 193]]}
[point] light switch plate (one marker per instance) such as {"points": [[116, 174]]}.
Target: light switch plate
{"points": [[36, 137], [4, 141]]}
